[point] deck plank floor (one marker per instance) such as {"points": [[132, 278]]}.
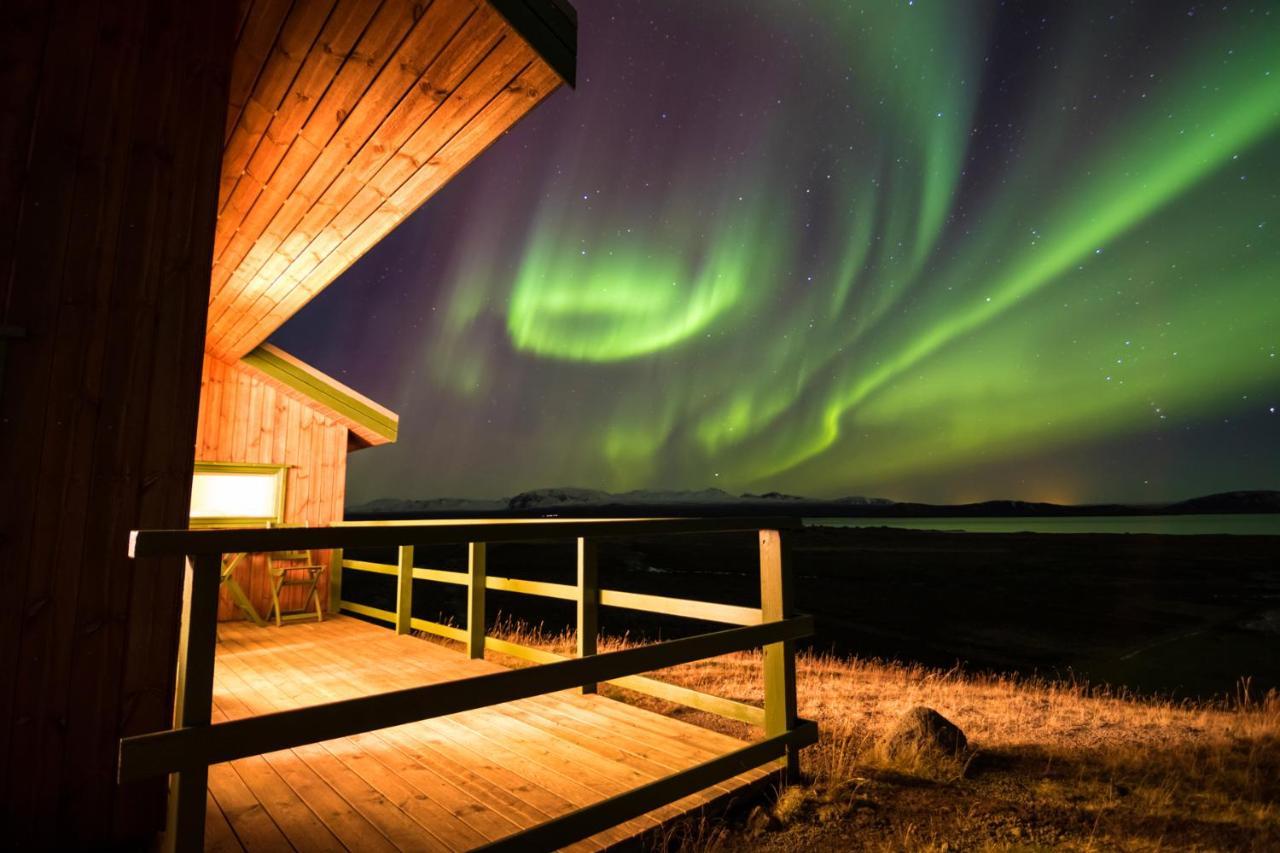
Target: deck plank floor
{"points": [[446, 784]]}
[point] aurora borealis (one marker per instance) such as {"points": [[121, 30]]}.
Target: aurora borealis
{"points": [[924, 250]]}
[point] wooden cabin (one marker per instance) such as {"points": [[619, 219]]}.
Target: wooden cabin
{"points": [[274, 420], [177, 179]]}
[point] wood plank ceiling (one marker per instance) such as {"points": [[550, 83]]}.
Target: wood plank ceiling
{"points": [[344, 117]]}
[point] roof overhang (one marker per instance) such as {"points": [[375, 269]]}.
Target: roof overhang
{"points": [[368, 423], [344, 116]]}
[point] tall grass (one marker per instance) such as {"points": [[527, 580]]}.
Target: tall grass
{"points": [[1078, 765]]}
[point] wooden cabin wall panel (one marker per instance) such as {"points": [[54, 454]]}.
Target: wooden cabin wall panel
{"points": [[321, 193], [409, 136], [316, 190], [90, 510], [289, 123], [352, 203], [462, 41], [345, 27], [297, 40], [65, 448], [329, 176], [338, 477], [293, 44], [21, 45], [253, 432], [323, 118], [164, 469], [515, 101], [244, 418], [28, 368], [298, 178], [262, 23], [389, 28], [108, 195]]}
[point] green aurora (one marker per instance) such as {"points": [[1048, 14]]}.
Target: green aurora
{"points": [[912, 249]]}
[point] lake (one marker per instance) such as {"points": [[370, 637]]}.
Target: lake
{"points": [[1178, 525]]}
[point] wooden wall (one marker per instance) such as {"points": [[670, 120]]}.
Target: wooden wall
{"points": [[243, 418], [345, 117], [111, 118]]}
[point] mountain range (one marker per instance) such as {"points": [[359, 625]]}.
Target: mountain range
{"points": [[580, 502]]}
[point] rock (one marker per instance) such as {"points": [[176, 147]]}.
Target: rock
{"points": [[925, 730]]}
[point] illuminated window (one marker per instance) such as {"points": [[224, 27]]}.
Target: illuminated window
{"points": [[237, 494]]}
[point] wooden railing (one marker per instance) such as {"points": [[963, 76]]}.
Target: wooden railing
{"points": [[187, 750]]}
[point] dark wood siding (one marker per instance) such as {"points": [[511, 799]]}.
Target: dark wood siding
{"points": [[111, 118]]}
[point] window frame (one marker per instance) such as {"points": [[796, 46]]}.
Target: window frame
{"points": [[280, 471]]}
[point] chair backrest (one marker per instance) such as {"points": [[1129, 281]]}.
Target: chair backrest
{"points": [[288, 556]]}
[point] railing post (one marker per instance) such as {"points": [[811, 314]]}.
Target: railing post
{"points": [[475, 599], [588, 601], [335, 580], [779, 658], [404, 589], [193, 696]]}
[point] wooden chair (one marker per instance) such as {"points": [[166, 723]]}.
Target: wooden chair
{"points": [[291, 569], [229, 563]]}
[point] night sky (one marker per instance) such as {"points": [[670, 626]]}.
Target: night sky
{"points": [[930, 250]]}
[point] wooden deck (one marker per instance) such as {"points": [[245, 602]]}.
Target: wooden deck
{"points": [[452, 783]]}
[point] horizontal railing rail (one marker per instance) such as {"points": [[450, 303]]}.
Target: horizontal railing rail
{"points": [[158, 543], [195, 742], [566, 829], [708, 611], [171, 751], [665, 690]]}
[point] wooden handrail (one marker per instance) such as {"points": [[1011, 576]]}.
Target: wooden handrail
{"points": [[188, 748], [708, 611], [158, 543], [677, 694], [475, 638]]}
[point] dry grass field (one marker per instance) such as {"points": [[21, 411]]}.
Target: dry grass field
{"points": [[1052, 765]]}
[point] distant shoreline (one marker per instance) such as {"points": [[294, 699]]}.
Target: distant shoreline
{"points": [[1208, 524], [581, 503]]}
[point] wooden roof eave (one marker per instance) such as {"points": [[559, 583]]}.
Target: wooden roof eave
{"points": [[368, 423], [341, 125], [550, 27]]}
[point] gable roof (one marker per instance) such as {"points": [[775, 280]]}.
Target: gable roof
{"points": [[368, 423]]}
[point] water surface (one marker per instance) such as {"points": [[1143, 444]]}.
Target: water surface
{"points": [[1263, 524]]}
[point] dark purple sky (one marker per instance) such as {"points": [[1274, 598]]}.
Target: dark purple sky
{"points": [[924, 250]]}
